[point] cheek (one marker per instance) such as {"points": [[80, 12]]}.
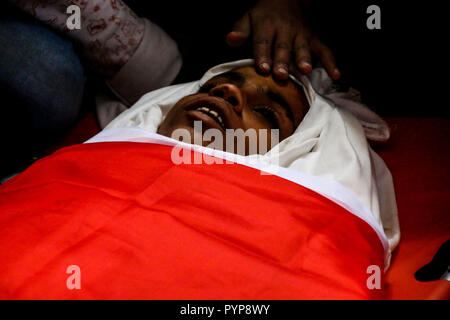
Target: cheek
{"points": [[263, 131], [253, 121], [286, 128], [173, 119]]}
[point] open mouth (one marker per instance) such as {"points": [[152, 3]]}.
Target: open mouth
{"points": [[211, 111]]}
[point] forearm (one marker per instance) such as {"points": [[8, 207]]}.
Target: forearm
{"points": [[110, 32], [134, 55]]}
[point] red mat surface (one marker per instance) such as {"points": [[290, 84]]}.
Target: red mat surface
{"points": [[418, 156]]}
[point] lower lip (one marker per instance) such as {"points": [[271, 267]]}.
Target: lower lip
{"points": [[204, 118]]}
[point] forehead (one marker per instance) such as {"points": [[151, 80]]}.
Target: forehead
{"points": [[264, 80], [288, 89]]}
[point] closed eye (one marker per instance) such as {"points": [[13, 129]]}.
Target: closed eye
{"points": [[269, 114]]}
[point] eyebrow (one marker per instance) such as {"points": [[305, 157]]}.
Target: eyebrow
{"points": [[235, 77]]}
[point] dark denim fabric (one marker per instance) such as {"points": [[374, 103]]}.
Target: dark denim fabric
{"points": [[41, 69], [41, 83]]}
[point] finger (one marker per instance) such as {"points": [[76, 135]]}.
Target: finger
{"points": [[326, 57], [240, 33], [263, 34], [302, 53], [282, 54]]}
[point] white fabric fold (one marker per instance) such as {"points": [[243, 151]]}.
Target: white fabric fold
{"points": [[375, 128]]}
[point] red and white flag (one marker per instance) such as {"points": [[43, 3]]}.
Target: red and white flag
{"points": [[137, 226]]}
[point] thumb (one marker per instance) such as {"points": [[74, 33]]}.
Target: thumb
{"points": [[240, 33]]}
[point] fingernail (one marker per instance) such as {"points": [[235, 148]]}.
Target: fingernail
{"points": [[265, 66], [282, 70], [336, 73], [306, 67]]}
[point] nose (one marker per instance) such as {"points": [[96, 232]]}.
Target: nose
{"points": [[230, 93]]}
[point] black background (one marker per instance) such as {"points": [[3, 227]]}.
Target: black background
{"points": [[399, 69], [279, 309]]}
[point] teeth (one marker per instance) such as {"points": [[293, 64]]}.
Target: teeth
{"points": [[220, 120], [203, 109], [213, 113]]}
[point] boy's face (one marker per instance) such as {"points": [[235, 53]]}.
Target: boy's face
{"points": [[240, 99]]}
